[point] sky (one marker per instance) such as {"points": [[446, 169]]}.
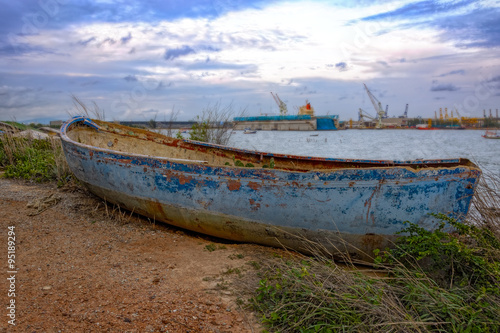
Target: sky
{"points": [[142, 60]]}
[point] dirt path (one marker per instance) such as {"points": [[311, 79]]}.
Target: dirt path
{"points": [[83, 268]]}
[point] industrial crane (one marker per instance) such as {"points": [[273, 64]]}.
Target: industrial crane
{"points": [[459, 117], [362, 115], [378, 107], [281, 104], [405, 114]]}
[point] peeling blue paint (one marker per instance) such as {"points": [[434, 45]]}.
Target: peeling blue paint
{"points": [[369, 200]]}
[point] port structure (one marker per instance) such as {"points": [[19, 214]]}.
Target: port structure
{"points": [[281, 104], [378, 109]]}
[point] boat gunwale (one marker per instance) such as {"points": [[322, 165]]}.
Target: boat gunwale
{"points": [[66, 138], [433, 163]]}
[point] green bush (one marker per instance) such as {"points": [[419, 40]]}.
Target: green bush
{"points": [[470, 256], [199, 130], [33, 159], [32, 164], [433, 281]]}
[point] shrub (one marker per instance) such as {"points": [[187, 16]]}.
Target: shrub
{"points": [[470, 256], [33, 159]]}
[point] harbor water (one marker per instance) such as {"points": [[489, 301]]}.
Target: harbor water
{"points": [[387, 144], [377, 144]]}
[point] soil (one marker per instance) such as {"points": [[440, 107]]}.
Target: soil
{"points": [[85, 266]]}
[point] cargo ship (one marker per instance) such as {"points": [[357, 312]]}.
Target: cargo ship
{"points": [[305, 120]]}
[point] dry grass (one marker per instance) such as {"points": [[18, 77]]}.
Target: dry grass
{"points": [[82, 109], [214, 124], [485, 208], [33, 159]]}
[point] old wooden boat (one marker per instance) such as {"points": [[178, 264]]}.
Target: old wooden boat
{"points": [[351, 206]]}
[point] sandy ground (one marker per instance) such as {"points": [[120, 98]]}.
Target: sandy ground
{"points": [[83, 266]]}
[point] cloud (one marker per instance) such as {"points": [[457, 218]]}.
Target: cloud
{"points": [[210, 48], [444, 87], [130, 78], [494, 79], [419, 9], [492, 85], [126, 39], [179, 52], [341, 66], [304, 91], [18, 97], [155, 111], [89, 83], [162, 85], [86, 41], [216, 65], [456, 72], [468, 23], [108, 40], [16, 48], [481, 30]]}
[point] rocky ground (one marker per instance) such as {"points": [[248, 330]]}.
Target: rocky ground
{"points": [[84, 266]]}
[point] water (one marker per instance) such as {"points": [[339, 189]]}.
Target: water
{"points": [[378, 144], [384, 144]]}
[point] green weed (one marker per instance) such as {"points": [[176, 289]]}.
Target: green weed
{"points": [[433, 281], [468, 257], [32, 159]]}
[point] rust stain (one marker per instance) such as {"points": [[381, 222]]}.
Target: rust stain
{"points": [[183, 179], [156, 210], [369, 201], [255, 205], [168, 175], [254, 186], [233, 185], [351, 184]]}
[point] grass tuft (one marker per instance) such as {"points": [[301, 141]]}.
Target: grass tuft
{"points": [[32, 159]]}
